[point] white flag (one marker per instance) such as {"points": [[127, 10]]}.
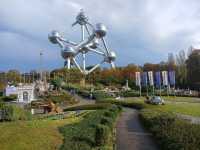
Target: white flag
{"points": [[150, 75], [164, 78], [138, 80]]}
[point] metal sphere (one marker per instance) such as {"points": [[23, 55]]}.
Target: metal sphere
{"points": [[68, 52], [112, 56], [100, 30], [53, 37], [82, 18], [95, 43]]}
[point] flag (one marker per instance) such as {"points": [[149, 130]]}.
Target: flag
{"points": [[172, 77], [144, 79], [138, 79], [157, 79], [150, 76], [164, 78]]}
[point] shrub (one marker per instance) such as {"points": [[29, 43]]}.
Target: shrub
{"points": [[9, 98], [171, 132], [98, 95], [89, 107], [107, 121], [1, 93], [84, 93], [13, 113], [94, 131], [130, 94], [61, 98], [101, 135], [133, 104]]}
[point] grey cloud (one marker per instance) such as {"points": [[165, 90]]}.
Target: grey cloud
{"points": [[135, 27]]}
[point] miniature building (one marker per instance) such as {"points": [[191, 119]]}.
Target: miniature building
{"points": [[24, 92]]}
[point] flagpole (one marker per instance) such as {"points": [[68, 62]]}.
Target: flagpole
{"points": [[160, 89], [153, 91]]}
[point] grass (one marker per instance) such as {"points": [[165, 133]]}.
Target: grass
{"points": [[188, 108], [182, 99], [31, 135], [183, 108]]}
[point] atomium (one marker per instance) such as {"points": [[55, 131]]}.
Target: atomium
{"points": [[92, 40]]}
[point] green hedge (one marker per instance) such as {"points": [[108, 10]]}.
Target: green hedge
{"points": [[89, 107], [133, 104], [9, 98], [102, 135], [92, 132], [104, 130], [171, 133], [129, 94], [1, 93], [13, 113], [98, 95], [61, 98]]}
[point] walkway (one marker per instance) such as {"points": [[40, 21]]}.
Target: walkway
{"points": [[130, 133]]}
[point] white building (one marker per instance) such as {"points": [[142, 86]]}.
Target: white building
{"points": [[25, 92]]}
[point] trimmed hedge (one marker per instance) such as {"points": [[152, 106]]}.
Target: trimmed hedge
{"points": [[133, 104], [102, 135], [89, 107], [98, 95], [171, 132], [104, 130], [130, 94], [94, 131], [9, 98]]}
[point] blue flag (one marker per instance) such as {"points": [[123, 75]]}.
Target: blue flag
{"points": [[172, 77], [157, 79], [144, 79]]}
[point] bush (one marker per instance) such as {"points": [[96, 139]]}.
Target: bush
{"points": [[102, 135], [133, 104], [84, 93], [89, 107], [129, 94], [61, 98], [94, 131], [1, 93], [13, 113], [170, 131], [9, 98], [98, 95]]}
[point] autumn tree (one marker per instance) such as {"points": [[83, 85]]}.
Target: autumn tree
{"points": [[193, 68], [181, 71]]}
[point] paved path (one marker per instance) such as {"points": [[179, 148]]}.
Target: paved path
{"points": [[82, 101], [130, 133]]}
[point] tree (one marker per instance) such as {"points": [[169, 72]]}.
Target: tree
{"points": [[171, 62], [13, 76], [57, 83], [193, 68], [181, 71]]}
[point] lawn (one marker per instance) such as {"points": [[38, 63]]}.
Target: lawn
{"points": [[33, 135], [183, 108], [182, 99], [183, 105]]}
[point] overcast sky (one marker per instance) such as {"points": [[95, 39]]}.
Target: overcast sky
{"points": [[139, 30]]}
